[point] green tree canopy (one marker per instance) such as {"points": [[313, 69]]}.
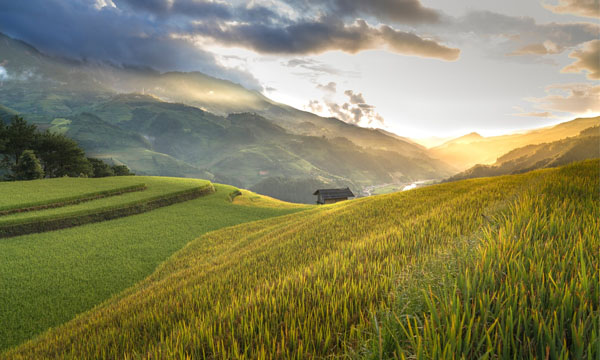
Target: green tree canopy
{"points": [[121, 170], [100, 168], [62, 156], [56, 154], [28, 167], [18, 136]]}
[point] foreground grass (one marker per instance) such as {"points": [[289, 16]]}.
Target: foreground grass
{"points": [[46, 279], [316, 283], [155, 187], [20, 194], [530, 289]]}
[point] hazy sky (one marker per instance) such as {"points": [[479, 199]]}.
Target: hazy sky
{"points": [[418, 68]]}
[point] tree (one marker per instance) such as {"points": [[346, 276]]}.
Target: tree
{"points": [[28, 167], [100, 168], [121, 170], [62, 156], [2, 137], [18, 136]]}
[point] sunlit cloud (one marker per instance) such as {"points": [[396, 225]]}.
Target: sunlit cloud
{"points": [[352, 108], [587, 60], [577, 99], [587, 8]]}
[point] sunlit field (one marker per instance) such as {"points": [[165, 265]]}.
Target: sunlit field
{"points": [[500, 267]]}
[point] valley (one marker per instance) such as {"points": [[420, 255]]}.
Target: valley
{"points": [[153, 207]]}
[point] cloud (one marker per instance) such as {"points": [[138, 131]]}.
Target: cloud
{"points": [[106, 33], [313, 66], [570, 98], [354, 98], [398, 11], [546, 48], [523, 36], [587, 8], [331, 87], [354, 110], [22, 76], [587, 60], [321, 35], [545, 114], [315, 106]]}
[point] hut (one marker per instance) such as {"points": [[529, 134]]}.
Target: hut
{"points": [[331, 196]]}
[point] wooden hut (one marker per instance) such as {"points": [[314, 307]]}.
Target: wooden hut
{"points": [[331, 196]]}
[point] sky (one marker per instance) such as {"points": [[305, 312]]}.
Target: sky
{"points": [[419, 68]]}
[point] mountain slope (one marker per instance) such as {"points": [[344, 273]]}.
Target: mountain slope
{"points": [[473, 149], [313, 284], [584, 146], [189, 124]]}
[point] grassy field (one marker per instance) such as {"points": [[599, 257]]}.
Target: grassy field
{"points": [[486, 268], [39, 192], [46, 279], [155, 187]]}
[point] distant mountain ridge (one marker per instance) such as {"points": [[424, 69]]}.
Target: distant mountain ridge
{"points": [[190, 124], [473, 149], [584, 146]]}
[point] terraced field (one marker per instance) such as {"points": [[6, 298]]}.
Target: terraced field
{"points": [[133, 195], [501, 267], [48, 278], [37, 193]]}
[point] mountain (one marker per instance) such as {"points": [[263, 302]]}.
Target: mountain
{"points": [[584, 146], [463, 140], [472, 149], [193, 125]]}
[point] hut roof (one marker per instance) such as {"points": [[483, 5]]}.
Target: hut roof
{"points": [[334, 193]]}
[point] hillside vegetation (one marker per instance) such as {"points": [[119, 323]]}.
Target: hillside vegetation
{"points": [[584, 146], [192, 125], [49, 278], [485, 268], [470, 150]]}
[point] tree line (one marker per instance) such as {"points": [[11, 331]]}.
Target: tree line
{"points": [[28, 154]]}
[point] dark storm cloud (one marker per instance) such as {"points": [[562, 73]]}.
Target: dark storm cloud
{"points": [[324, 34], [202, 9], [398, 11], [78, 29], [161, 33]]}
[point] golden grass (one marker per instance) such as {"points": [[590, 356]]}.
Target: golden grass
{"points": [[309, 285]]}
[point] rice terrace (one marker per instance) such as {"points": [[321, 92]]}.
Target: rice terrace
{"points": [[311, 179]]}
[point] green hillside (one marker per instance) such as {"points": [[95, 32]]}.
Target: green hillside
{"points": [[584, 146], [49, 278], [192, 125], [500, 267]]}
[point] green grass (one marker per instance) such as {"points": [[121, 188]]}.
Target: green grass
{"points": [[74, 200], [22, 194], [502, 267], [155, 187], [46, 279]]}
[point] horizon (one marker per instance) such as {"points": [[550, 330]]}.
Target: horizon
{"points": [[419, 69]]}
